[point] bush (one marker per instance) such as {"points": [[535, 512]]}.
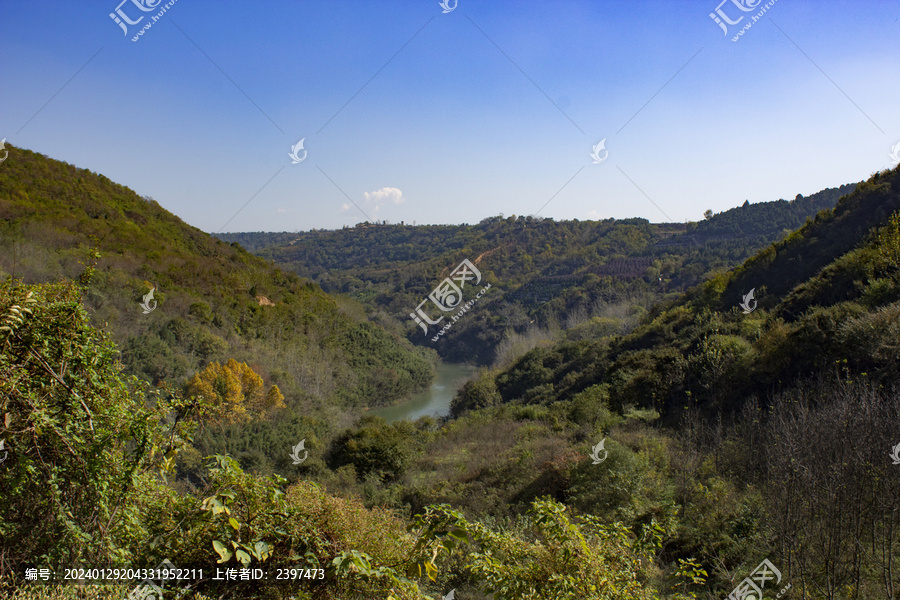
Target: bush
{"points": [[479, 392], [79, 438], [374, 447]]}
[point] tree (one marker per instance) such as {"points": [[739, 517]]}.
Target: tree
{"points": [[708, 214], [236, 392]]}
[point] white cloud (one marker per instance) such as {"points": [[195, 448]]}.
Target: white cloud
{"points": [[345, 207], [384, 196], [594, 215]]}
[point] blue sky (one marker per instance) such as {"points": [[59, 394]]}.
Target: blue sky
{"points": [[410, 114]]}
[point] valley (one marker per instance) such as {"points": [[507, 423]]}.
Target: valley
{"points": [[619, 406]]}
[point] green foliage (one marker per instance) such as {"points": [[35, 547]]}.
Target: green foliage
{"points": [[57, 221], [478, 392], [90, 454], [79, 437], [391, 371], [819, 242], [237, 524], [690, 572], [375, 447], [552, 557], [553, 270]]}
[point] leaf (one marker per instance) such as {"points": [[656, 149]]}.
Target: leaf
{"points": [[233, 522], [224, 553], [243, 557]]}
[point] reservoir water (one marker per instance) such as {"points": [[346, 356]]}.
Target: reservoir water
{"points": [[435, 401]]}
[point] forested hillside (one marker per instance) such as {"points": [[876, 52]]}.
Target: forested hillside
{"points": [[766, 429], [541, 271], [816, 293], [660, 449], [213, 301]]}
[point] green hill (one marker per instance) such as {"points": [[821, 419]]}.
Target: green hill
{"points": [[595, 461], [719, 433], [215, 300], [828, 298], [541, 271]]}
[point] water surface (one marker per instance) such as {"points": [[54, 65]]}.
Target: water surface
{"points": [[435, 401]]}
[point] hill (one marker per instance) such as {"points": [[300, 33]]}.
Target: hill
{"points": [[541, 271], [214, 301], [664, 460], [816, 294]]}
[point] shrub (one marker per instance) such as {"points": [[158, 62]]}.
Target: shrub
{"points": [[79, 437]]}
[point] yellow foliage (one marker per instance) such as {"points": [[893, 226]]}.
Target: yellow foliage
{"points": [[236, 392]]}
